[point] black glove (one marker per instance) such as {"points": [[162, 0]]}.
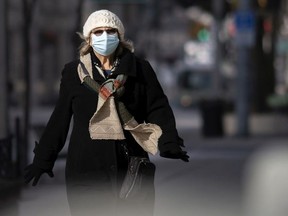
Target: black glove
{"points": [[34, 172], [175, 154]]}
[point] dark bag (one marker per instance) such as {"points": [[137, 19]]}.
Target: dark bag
{"points": [[139, 180]]}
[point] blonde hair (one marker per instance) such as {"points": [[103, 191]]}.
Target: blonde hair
{"points": [[85, 47]]}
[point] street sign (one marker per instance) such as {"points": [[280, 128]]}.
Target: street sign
{"points": [[245, 23]]}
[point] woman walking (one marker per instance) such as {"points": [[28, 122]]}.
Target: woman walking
{"points": [[119, 110]]}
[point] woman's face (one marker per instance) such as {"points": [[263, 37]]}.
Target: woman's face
{"points": [[104, 40]]}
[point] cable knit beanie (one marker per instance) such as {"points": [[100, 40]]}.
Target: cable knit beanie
{"points": [[103, 18]]}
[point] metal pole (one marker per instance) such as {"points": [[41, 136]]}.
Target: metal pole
{"points": [[242, 103], [3, 71], [244, 70], [26, 40]]}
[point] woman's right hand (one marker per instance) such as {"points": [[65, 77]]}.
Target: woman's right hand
{"points": [[34, 173]]}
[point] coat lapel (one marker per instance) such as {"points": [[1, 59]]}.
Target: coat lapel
{"points": [[127, 66]]}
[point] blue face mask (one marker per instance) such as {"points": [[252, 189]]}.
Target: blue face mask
{"points": [[105, 44]]}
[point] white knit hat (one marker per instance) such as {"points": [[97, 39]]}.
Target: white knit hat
{"points": [[103, 18]]}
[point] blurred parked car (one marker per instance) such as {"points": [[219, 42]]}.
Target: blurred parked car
{"points": [[195, 86]]}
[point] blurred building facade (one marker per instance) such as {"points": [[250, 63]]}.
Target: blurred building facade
{"points": [[159, 30], [156, 27]]}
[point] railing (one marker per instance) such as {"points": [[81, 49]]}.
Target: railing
{"points": [[10, 154], [6, 164], [10, 183]]}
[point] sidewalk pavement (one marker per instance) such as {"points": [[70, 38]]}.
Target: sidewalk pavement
{"points": [[193, 139], [211, 184], [10, 190]]}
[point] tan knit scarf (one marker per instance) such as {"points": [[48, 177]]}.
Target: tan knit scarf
{"points": [[111, 115]]}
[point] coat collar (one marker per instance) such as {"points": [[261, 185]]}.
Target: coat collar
{"points": [[127, 65]]}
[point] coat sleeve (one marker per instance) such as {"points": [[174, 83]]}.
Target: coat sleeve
{"points": [[159, 111], [55, 133]]}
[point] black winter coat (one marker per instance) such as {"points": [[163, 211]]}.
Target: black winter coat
{"points": [[98, 160]]}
